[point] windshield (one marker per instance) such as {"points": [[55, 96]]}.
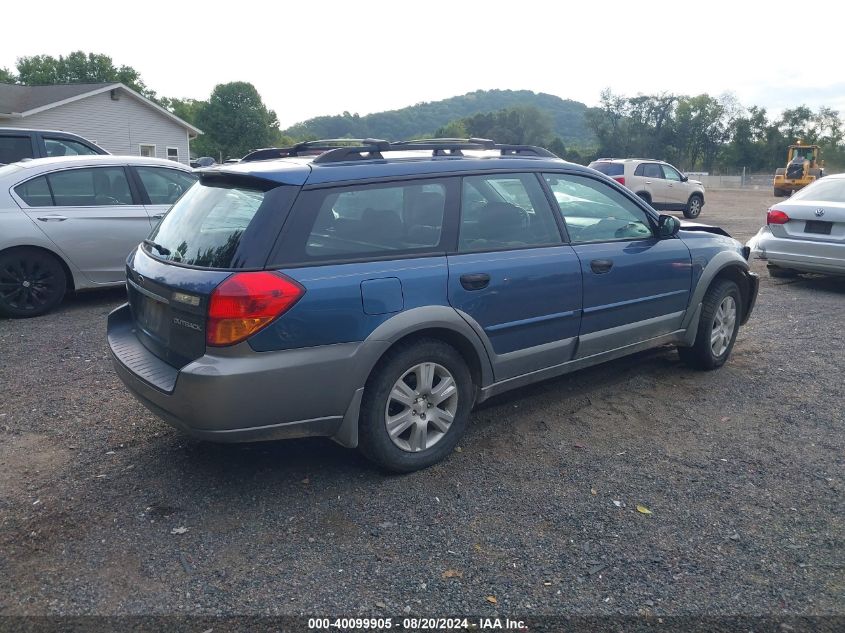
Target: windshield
{"points": [[826, 189]]}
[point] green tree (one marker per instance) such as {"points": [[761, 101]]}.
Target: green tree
{"points": [[453, 129], [186, 109], [611, 124], [524, 125], [797, 124], [235, 121], [78, 67], [7, 76]]}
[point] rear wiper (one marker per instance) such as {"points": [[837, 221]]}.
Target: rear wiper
{"points": [[161, 249]]}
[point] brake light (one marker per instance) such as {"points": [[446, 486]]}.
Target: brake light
{"points": [[619, 179], [247, 302], [776, 216]]}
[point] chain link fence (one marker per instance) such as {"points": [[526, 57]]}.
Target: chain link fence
{"points": [[734, 181]]}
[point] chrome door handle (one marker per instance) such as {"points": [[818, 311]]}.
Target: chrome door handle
{"points": [[52, 218], [648, 182], [158, 216]]}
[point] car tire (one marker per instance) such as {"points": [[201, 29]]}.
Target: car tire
{"points": [[779, 193], [32, 282], [401, 392], [645, 197], [694, 205], [781, 273], [721, 314]]}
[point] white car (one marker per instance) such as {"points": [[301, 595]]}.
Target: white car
{"points": [[805, 233], [657, 182], [69, 223]]}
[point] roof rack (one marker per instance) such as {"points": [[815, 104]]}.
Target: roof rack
{"points": [[444, 146], [528, 150], [316, 148], [453, 147], [348, 149], [361, 149]]}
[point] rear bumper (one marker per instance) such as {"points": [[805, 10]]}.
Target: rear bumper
{"points": [[236, 394], [801, 255]]}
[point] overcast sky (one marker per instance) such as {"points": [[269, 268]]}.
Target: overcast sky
{"points": [[309, 58]]}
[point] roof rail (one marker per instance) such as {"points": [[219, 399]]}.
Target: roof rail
{"points": [[444, 146], [346, 149], [481, 142], [366, 149], [530, 150], [313, 148], [438, 147]]}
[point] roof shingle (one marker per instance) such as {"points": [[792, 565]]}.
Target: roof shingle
{"points": [[16, 99]]}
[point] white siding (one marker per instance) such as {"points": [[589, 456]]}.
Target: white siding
{"points": [[119, 127]]}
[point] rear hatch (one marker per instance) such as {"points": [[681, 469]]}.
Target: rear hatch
{"points": [[815, 213], [225, 224]]}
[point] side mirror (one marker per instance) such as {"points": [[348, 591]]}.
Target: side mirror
{"points": [[684, 177], [667, 226]]}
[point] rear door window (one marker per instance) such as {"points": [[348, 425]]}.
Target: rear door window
{"points": [[14, 148], [35, 192], [223, 224], [96, 187], [505, 211], [652, 170], [371, 220]]}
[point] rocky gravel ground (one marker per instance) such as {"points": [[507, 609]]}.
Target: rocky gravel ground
{"points": [[106, 510]]}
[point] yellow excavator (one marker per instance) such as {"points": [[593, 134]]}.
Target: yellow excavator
{"points": [[802, 167]]}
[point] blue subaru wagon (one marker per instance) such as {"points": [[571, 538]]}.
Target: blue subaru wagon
{"points": [[373, 292]]}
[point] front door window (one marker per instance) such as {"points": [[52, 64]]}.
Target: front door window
{"points": [[595, 212]]}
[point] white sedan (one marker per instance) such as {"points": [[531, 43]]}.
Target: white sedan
{"points": [[69, 223], [805, 233]]}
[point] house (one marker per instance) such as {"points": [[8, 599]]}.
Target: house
{"points": [[113, 116]]}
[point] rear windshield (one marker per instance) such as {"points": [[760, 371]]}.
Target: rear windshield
{"points": [[825, 190], [609, 169], [219, 225]]}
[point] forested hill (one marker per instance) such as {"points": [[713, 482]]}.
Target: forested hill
{"points": [[424, 119]]}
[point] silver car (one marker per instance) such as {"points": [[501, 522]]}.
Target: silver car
{"points": [[69, 223], [805, 233]]}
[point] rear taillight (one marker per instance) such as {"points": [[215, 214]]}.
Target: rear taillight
{"points": [[246, 302], [776, 216], [619, 179]]}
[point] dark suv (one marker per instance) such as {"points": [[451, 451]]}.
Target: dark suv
{"points": [[18, 143], [375, 292]]}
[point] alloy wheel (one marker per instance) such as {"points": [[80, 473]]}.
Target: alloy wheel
{"points": [[421, 407], [724, 324]]}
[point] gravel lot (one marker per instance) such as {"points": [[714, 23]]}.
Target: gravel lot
{"points": [[742, 470]]}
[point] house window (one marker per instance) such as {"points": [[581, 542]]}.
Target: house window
{"points": [[173, 153], [149, 151]]}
